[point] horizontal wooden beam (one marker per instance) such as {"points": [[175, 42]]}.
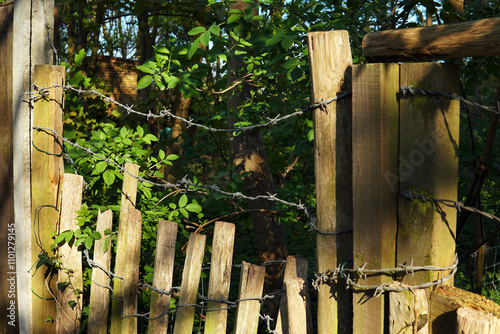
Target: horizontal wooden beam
{"points": [[466, 39]]}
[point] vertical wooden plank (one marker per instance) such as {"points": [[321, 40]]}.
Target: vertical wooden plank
{"points": [[8, 299], [296, 304], [131, 277], [331, 72], [129, 195], [189, 286], [70, 281], [163, 275], [99, 296], [296, 266], [375, 197], [428, 164], [220, 277], [251, 286], [47, 169]]}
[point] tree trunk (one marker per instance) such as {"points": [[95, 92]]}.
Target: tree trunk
{"points": [[249, 155]]}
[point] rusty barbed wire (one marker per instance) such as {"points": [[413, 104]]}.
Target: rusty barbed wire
{"points": [[201, 305], [409, 90], [165, 113], [185, 183], [459, 206], [344, 273]]}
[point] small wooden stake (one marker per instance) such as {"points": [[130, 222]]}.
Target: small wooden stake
{"points": [[99, 296], [220, 277], [131, 283], [251, 286], [46, 178], [375, 163], [129, 195], [70, 276], [296, 304], [296, 266], [163, 275], [189, 286], [331, 71], [428, 164]]}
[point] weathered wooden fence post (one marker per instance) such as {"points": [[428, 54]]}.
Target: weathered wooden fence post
{"points": [[375, 177], [9, 314], [190, 281], [220, 277], [163, 275], [251, 286], [428, 165], [70, 280], [47, 169], [99, 296], [131, 277], [331, 71], [129, 195]]}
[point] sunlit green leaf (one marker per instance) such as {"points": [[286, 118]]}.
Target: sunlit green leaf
{"points": [[144, 82]]}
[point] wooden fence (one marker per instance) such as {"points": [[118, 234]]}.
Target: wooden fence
{"points": [[369, 145]]}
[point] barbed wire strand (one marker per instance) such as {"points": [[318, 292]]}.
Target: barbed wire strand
{"points": [[409, 90], [333, 274], [165, 113], [185, 183], [459, 206]]}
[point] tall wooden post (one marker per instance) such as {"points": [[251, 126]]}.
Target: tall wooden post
{"points": [[8, 299], [31, 48], [47, 170], [429, 129], [375, 163], [331, 71]]}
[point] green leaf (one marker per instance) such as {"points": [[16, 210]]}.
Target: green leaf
{"points": [[183, 201], [173, 82], [96, 235], [109, 177], [60, 238], [184, 213], [150, 137], [193, 48], [123, 132], [273, 40], [172, 157], [233, 18], [291, 63], [158, 82], [214, 29], [100, 167], [105, 244], [310, 135], [161, 154], [205, 38], [144, 82], [236, 11], [145, 69], [88, 243], [197, 30], [79, 57], [193, 207], [107, 231], [69, 236], [161, 49]]}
